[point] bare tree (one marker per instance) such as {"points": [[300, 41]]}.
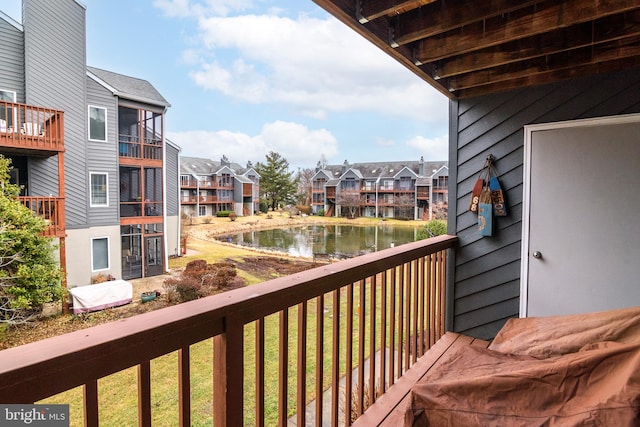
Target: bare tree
{"points": [[349, 200], [305, 183], [405, 205], [439, 210]]}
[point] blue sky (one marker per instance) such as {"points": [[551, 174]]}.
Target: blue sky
{"points": [[245, 77]]}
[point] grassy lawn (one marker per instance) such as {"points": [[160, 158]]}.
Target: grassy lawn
{"points": [[118, 392]]}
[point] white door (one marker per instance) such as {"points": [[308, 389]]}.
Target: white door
{"points": [[581, 217]]}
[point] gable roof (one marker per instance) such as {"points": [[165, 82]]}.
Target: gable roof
{"points": [[467, 48], [204, 166], [375, 170], [128, 87]]}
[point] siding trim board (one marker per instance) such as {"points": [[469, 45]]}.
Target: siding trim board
{"points": [[481, 273]]}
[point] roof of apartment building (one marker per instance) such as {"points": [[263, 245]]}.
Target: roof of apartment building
{"points": [[202, 166], [376, 170], [128, 87]]}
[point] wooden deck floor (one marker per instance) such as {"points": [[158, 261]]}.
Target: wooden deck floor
{"points": [[389, 409]]}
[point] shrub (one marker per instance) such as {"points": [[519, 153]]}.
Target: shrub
{"points": [[264, 208], [321, 212], [233, 216], [206, 220], [101, 278], [200, 279], [223, 214], [304, 209], [435, 227], [29, 273]]}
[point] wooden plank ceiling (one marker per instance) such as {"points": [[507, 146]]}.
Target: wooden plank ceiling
{"points": [[467, 48]]}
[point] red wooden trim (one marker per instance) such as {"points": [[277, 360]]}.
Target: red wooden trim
{"points": [[361, 322], [348, 384], [415, 303], [406, 279], [392, 327], [38, 370], [335, 365], [283, 367], [144, 394], [319, 358], [383, 334], [302, 365], [90, 391], [228, 375], [260, 372], [372, 339], [184, 386], [421, 307]]}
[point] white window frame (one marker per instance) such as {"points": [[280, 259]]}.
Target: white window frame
{"points": [[6, 91], [93, 269], [89, 123], [202, 208], [91, 203], [13, 95]]}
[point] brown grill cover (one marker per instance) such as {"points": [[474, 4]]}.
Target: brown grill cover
{"points": [[581, 370]]}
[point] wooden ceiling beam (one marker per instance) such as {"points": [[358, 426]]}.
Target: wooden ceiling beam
{"points": [[585, 56], [551, 76], [439, 18], [368, 10], [560, 40], [549, 16]]}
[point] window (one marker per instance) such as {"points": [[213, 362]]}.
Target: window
{"points": [[100, 254], [98, 190], [202, 211], [97, 124], [7, 113]]}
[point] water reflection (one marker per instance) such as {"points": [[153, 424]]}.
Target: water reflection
{"points": [[340, 241]]}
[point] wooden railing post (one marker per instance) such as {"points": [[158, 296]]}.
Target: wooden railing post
{"points": [[228, 375]]}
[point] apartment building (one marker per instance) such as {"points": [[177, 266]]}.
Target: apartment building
{"points": [[88, 148], [208, 187], [408, 190]]}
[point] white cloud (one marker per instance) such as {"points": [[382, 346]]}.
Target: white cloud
{"points": [[314, 65], [301, 146], [186, 8], [432, 148]]}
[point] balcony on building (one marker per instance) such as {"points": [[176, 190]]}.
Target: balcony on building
{"points": [[35, 131], [31, 130]]}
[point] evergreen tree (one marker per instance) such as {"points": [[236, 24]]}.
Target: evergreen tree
{"points": [[29, 273], [277, 184]]}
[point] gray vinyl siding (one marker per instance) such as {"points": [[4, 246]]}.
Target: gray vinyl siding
{"points": [[486, 271], [55, 78], [172, 171], [12, 59], [102, 157]]}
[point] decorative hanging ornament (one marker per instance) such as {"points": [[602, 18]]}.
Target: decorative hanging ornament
{"points": [[497, 197], [475, 195], [485, 213]]}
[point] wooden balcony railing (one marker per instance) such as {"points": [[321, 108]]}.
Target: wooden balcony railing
{"points": [[326, 327], [189, 199], [131, 147], [49, 208], [208, 199], [31, 129], [188, 183]]}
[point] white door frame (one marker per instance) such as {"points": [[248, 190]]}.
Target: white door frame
{"points": [[526, 182]]}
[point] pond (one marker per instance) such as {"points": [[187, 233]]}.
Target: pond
{"points": [[337, 241]]}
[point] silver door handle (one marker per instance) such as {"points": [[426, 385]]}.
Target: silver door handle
{"points": [[537, 255]]}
